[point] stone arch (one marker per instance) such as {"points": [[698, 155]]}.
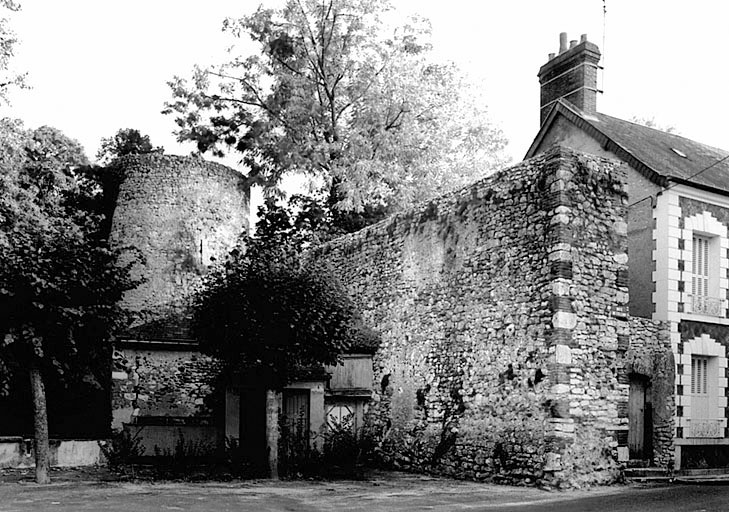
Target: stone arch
{"points": [[705, 223], [639, 363]]}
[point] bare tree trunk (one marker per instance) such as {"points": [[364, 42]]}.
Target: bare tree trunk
{"points": [[40, 427]]}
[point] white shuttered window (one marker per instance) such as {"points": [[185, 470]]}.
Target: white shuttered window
{"points": [[699, 370], [700, 267]]}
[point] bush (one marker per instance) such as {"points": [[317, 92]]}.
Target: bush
{"points": [[185, 456], [344, 450], [122, 450], [297, 456], [238, 462]]}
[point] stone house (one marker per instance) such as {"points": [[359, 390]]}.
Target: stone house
{"points": [[677, 216]]}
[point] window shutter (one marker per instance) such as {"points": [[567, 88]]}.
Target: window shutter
{"points": [[700, 266], [699, 375]]}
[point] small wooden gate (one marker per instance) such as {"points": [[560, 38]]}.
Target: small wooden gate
{"points": [[296, 412]]}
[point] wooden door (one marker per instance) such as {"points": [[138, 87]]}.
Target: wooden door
{"points": [[640, 423]]}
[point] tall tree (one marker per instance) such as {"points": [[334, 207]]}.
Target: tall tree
{"points": [[126, 141], [8, 77], [59, 280], [335, 92]]}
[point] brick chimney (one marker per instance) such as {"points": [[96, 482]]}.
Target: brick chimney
{"points": [[572, 75]]}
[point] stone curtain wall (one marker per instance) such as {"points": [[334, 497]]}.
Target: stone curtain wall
{"points": [[180, 214], [499, 307]]}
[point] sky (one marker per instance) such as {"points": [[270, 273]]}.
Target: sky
{"points": [[97, 66]]}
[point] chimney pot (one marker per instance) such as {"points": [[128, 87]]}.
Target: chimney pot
{"points": [[562, 42], [572, 77], [551, 56], [583, 38]]}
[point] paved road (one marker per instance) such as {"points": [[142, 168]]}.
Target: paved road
{"points": [[387, 492], [673, 498]]}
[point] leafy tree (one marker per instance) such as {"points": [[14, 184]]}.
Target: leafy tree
{"points": [[126, 141], [335, 93], [59, 280], [8, 77], [650, 122], [264, 311]]}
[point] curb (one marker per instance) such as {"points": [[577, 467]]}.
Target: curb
{"points": [[702, 481]]}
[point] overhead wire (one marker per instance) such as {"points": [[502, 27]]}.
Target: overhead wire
{"points": [[694, 175], [669, 187], [604, 25]]}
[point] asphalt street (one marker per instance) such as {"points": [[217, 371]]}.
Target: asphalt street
{"points": [[386, 491]]}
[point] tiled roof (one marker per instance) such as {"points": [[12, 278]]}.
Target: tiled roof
{"points": [[661, 156]]}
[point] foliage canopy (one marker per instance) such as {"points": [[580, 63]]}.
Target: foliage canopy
{"points": [[265, 312], [334, 91], [8, 77], [59, 281], [126, 141], [651, 122]]}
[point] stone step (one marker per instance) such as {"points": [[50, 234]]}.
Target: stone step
{"points": [[650, 479], [638, 463], [713, 476]]}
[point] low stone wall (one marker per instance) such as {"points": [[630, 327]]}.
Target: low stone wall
{"points": [[176, 440], [16, 452], [499, 308]]}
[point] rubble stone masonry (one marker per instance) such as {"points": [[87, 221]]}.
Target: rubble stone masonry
{"points": [[502, 309], [162, 383], [180, 214]]}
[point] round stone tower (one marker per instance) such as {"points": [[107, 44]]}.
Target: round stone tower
{"points": [[180, 214]]}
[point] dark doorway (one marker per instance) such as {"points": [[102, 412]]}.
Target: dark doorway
{"points": [[253, 426], [640, 418]]}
